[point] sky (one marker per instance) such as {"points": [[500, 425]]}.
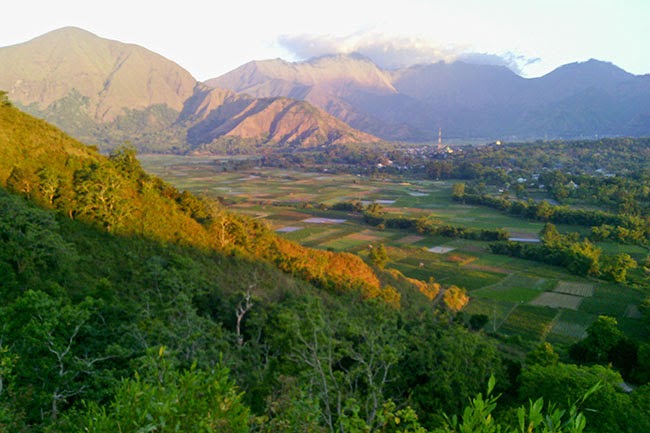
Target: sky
{"points": [[210, 38]]}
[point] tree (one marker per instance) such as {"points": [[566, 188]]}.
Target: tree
{"points": [[544, 211], [375, 209], [124, 158], [99, 195], [4, 99], [458, 190], [291, 409], [378, 255], [602, 337], [32, 246], [344, 356], [445, 366], [46, 334], [543, 355], [455, 298], [478, 321], [163, 399], [479, 417], [551, 236], [615, 267], [567, 383]]}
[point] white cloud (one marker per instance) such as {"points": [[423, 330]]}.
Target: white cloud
{"points": [[395, 52]]}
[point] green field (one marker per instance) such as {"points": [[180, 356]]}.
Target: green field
{"points": [[522, 298]]}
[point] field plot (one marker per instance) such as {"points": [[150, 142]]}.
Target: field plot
{"points": [[576, 289], [531, 322], [572, 330], [557, 300], [632, 312], [569, 326], [288, 229], [496, 311], [512, 288], [440, 250], [411, 239], [610, 300], [355, 241], [318, 220]]}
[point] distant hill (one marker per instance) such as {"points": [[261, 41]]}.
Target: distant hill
{"points": [[107, 92], [290, 122], [465, 100]]}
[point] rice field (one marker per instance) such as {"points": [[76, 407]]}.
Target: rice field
{"points": [[557, 300], [576, 289]]}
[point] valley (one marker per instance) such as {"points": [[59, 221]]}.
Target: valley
{"points": [[526, 301]]}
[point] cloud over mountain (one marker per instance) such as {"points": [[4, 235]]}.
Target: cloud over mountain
{"points": [[392, 52]]}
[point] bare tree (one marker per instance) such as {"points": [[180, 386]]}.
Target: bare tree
{"points": [[243, 307]]}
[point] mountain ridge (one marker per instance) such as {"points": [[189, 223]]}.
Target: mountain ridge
{"points": [[465, 100], [107, 92]]}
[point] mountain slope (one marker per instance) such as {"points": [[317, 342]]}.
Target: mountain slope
{"points": [[220, 114], [332, 83], [112, 76], [96, 89], [280, 78]]}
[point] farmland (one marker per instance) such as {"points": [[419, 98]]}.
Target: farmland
{"points": [[524, 300]]}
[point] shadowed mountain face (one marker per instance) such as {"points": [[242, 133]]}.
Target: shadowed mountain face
{"points": [[465, 100]]}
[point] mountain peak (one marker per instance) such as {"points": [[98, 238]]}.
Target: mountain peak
{"points": [[107, 74], [593, 69]]}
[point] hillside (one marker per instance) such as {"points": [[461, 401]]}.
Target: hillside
{"points": [[266, 120], [44, 164]]}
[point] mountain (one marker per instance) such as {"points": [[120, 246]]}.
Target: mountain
{"points": [[280, 78], [291, 122], [84, 83], [108, 92], [465, 100], [332, 83]]}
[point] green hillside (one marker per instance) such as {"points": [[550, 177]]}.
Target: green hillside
{"points": [[129, 306]]}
